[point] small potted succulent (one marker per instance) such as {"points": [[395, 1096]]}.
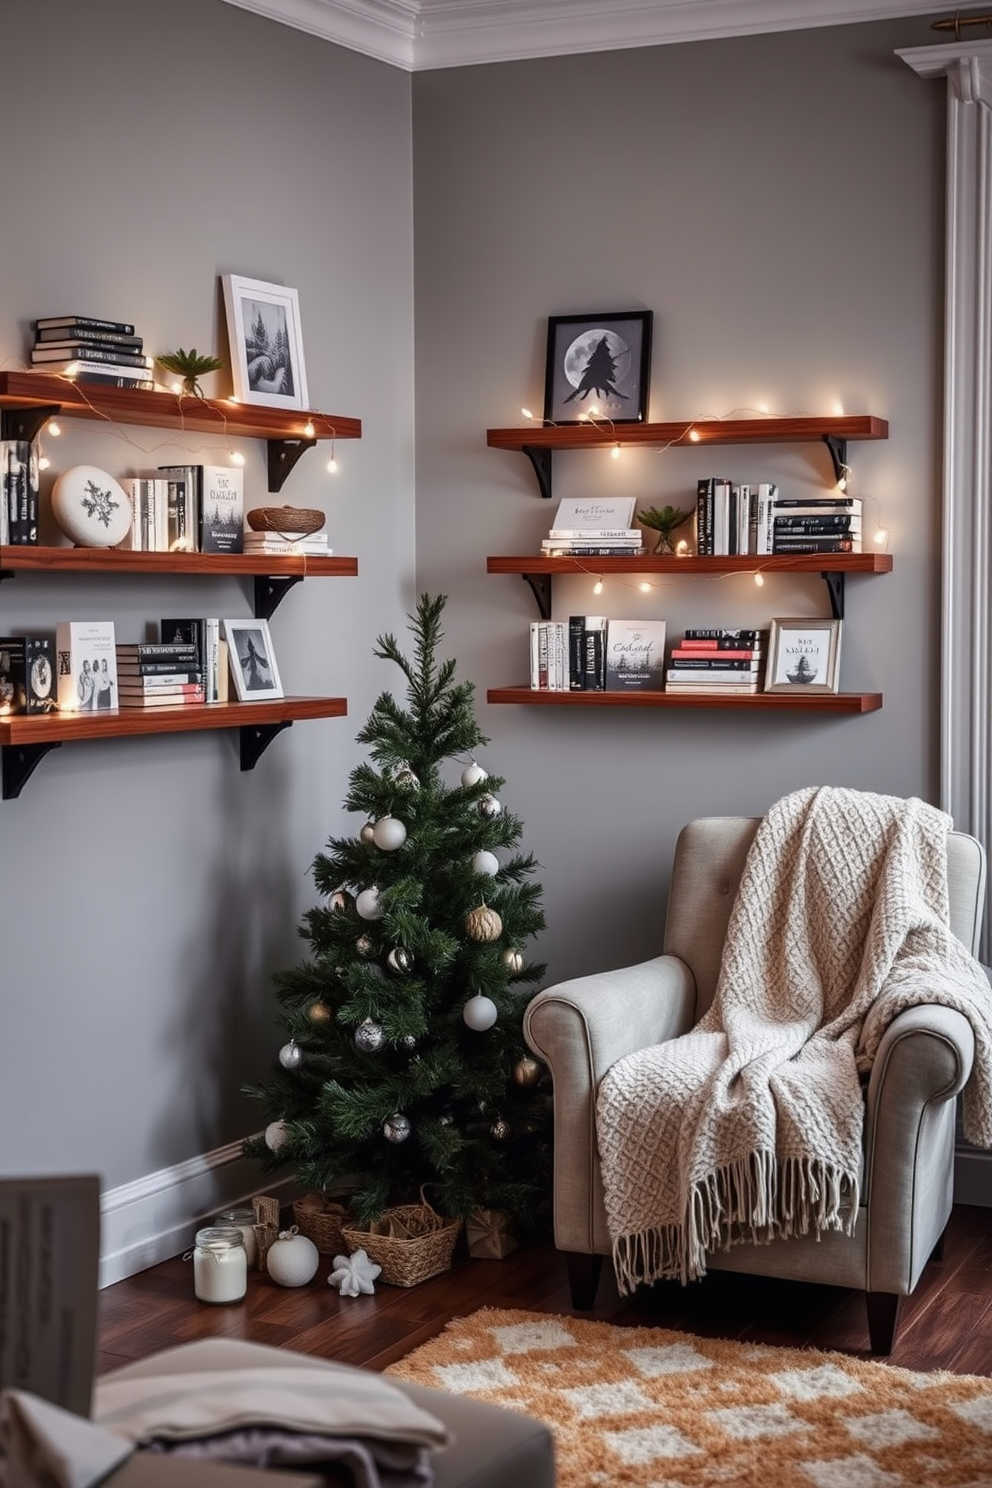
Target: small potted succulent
{"points": [[190, 366], [664, 521]]}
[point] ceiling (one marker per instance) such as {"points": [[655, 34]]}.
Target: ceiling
{"points": [[421, 34]]}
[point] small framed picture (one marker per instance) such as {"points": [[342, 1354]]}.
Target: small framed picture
{"points": [[599, 367], [266, 342], [253, 661], [804, 656]]}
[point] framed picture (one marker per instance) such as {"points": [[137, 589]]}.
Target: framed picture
{"points": [[804, 656], [263, 329], [599, 366], [253, 661]]}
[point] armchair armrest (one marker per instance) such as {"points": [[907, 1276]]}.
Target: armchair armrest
{"points": [[923, 1061], [580, 1028]]}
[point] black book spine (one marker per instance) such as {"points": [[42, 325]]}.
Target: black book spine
{"points": [[81, 351], [713, 663], [704, 516], [729, 640], [576, 653], [816, 526], [594, 676], [65, 322], [64, 335], [814, 545]]}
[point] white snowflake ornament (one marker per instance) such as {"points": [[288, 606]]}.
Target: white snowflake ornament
{"points": [[353, 1274]]}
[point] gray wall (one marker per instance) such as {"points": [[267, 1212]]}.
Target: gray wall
{"points": [[148, 887], [778, 203]]}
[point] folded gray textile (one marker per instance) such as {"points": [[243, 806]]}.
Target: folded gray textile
{"points": [[43, 1446], [371, 1464]]}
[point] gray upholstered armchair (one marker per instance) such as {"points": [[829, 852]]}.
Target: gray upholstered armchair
{"points": [[582, 1027]]}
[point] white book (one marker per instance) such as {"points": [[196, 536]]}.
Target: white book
{"points": [[535, 655], [595, 514], [582, 534], [764, 534], [635, 655], [86, 666]]}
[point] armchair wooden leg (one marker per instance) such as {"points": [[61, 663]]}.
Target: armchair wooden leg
{"points": [[584, 1272], [883, 1312], [937, 1254]]}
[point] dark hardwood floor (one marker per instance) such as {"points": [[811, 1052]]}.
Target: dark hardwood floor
{"points": [[946, 1324]]}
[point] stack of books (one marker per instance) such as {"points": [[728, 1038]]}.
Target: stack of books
{"points": [[91, 350], [594, 528], [211, 650], [283, 543], [831, 525], [733, 519], [717, 661], [159, 675]]}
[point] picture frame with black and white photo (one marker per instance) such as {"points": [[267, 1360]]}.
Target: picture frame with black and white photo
{"points": [[598, 368], [254, 669], [266, 342], [804, 655]]}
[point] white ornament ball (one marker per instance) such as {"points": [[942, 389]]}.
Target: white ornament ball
{"points": [[368, 905], [389, 833], [486, 863], [480, 1013], [276, 1136], [91, 507], [292, 1260], [291, 1055], [489, 807], [473, 774]]}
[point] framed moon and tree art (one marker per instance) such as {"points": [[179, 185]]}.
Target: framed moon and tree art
{"points": [[598, 367]]}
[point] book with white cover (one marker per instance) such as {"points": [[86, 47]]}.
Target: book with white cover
{"points": [[635, 655], [594, 514], [86, 666]]}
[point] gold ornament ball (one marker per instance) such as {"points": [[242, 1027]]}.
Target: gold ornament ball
{"points": [[366, 834], [526, 1071], [514, 960], [483, 924], [319, 1012]]}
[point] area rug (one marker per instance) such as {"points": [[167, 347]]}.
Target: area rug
{"points": [[657, 1409]]}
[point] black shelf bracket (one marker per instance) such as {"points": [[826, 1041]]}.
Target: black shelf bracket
{"points": [[7, 573], [835, 588], [270, 590], [838, 455], [283, 455], [256, 738], [540, 584], [540, 458], [24, 423], [18, 765]]}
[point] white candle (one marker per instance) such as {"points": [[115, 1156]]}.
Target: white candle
{"points": [[220, 1266]]}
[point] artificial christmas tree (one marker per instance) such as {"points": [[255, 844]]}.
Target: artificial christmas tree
{"points": [[405, 1072]]}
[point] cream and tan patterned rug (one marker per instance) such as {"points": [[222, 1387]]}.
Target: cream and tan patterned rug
{"points": [[657, 1409]]}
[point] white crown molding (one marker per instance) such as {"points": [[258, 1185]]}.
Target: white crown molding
{"points": [[422, 34]]}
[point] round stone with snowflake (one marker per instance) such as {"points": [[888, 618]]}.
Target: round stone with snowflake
{"points": [[91, 508]]}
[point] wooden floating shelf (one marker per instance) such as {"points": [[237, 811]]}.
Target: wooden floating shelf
{"points": [[112, 560], [689, 432], [26, 738], [758, 702], [161, 410], [813, 563]]}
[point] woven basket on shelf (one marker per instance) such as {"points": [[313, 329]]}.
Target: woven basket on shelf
{"points": [[285, 519], [410, 1242], [321, 1220]]}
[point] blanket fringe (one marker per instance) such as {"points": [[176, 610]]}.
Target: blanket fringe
{"points": [[754, 1200]]}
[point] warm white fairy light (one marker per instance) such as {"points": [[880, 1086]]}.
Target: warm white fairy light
{"points": [[645, 587], [54, 428], [759, 580], [308, 429], [176, 387], [597, 588], [526, 413], [615, 452], [682, 548], [881, 537], [236, 457], [332, 466], [694, 435], [43, 462], [838, 410]]}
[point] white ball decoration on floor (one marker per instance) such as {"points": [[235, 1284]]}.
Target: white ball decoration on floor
{"points": [[292, 1259], [353, 1274], [396, 1128], [291, 1055], [389, 833], [485, 863], [480, 1013], [473, 774], [489, 807], [368, 905], [276, 1136]]}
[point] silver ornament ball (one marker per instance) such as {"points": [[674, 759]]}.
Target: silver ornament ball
{"points": [[480, 1013], [400, 960], [366, 834], [514, 960], [406, 778], [368, 1036], [339, 899], [500, 1130], [291, 1055], [396, 1128], [489, 807], [389, 833], [526, 1071], [364, 946], [368, 905]]}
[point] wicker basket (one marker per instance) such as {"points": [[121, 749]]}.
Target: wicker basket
{"points": [[410, 1242], [285, 519], [321, 1220]]}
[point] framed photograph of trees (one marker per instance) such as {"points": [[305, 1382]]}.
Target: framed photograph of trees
{"points": [[266, 341], [253, 661], [598, 368]]}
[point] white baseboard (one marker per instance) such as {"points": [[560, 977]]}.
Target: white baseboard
{"points": [[155, 1217]]}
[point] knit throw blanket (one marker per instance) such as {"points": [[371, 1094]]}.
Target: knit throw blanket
{"points": [[749, 1127]]}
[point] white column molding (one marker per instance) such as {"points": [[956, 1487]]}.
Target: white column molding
{"points": [[966, 601]]}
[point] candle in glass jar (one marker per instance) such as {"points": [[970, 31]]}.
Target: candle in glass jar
{"points": [[220, 1266], [244, 1220]]}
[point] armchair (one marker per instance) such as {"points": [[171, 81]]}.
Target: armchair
{"points": [[581, 1027]]}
